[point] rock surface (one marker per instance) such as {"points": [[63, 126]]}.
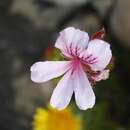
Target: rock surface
{"points": [[120, 22]]}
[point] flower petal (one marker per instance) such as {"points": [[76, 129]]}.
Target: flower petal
{"points": [[44, 71], [65, 38], [63, 92], [72, 40], [84, 94], [80, 39], [100, 54], [103, 75]]}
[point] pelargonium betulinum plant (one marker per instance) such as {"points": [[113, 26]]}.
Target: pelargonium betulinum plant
{"points": [[86, 62]]}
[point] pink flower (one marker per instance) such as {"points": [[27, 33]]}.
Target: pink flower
{"points": [[85, 64]]}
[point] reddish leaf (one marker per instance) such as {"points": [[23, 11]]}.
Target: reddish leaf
{"points": [[99, 35]]}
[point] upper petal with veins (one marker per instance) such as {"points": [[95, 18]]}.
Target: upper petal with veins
{"points": [[65, 39], [98, 54], [72, 41]]}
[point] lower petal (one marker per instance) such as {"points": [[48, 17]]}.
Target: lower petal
{"points": [[63, 92], [84, 94], [44, 71]]}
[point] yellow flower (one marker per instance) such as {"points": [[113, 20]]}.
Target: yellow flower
{"points": [[53, 119]]}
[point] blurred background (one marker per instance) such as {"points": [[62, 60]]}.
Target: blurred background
{"points": [[29, 27]]}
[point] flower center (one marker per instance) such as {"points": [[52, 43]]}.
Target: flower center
{"points": [[77, 63], [84, 62]]}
